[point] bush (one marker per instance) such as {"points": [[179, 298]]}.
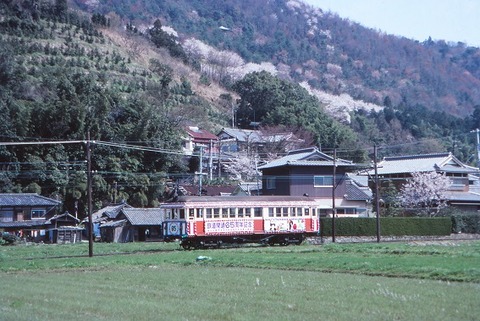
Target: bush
{"points": [[466, 223], [389, 226], [8, 239]]}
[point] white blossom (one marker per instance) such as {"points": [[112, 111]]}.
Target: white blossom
{"points": [[425, 191]]}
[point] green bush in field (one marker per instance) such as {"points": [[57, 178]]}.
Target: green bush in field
{"points": [[389, 226], [466, 223], [8, 239]]}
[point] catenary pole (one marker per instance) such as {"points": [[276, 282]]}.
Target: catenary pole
{"points": [[89, 196], [377, 201], [334, 211]]}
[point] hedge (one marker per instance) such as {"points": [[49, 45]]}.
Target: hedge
{"points": [[466, 223], [389, 226]]}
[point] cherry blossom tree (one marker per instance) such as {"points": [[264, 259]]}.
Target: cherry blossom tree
{"points": [[242, 168], [425, 192]]}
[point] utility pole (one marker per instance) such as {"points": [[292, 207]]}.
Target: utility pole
{"points": [[334, 211], [377, 201], [200, 173], [210, 161], [478, 145], [89, 196]]}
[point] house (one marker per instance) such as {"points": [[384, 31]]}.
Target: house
{"points": [[310, 172], [63, 228], [196, 137], [104, 215], [233, 140], [26, 214], [134, 225], [463, 192]]}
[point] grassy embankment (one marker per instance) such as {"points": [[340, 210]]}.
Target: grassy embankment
{"points": [[365, 282]]}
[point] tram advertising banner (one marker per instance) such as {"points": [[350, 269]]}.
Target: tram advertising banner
{"points": [[273, 225], [238, 226]]}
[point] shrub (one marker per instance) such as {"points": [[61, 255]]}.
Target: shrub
{"points": [[9, 239]]}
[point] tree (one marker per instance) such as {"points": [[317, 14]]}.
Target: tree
{"points": [[425, 192], [242, 168]]}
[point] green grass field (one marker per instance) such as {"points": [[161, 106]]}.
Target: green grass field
{"points": [[153, 281]]}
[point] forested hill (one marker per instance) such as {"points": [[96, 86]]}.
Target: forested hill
{"points": [[330, 53], [138, 73]]}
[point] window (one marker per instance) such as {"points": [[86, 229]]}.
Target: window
{"points": [[293, 211], [208, 213], [6, 215], [285, 211], [299, 211], [346, 211], [240, 212], [248, 212], [191, 213], [200, 213], [38, 214], [232, 212], [224, 212], [257, 212], [323, 180], [216, 213], [271, 183], [270, 212]]}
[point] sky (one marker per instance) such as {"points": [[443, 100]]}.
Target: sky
{"points": [[449, 20]]}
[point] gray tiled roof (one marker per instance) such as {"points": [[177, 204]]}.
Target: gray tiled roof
{"points": [[306, 157], [356, 193], [18, 224], [144, 216], [243, 135], [26, 199], [442, 162]]}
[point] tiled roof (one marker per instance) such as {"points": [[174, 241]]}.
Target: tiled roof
{"points": [[356, 193], [443, 162], [200, 134], [144, 216], [114, 223], [306, 157], [467, 197], [242, 135], [109, 212], [26, 199], [210, 190], [65, 217], [19, 224]]}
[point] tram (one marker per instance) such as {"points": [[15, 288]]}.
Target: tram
{"points": [[210, 221]]}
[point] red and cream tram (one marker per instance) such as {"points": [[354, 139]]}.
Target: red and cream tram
{"points": [[211, 221]]}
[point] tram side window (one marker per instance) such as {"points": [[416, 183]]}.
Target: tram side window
{"points": [[224, 212], [216, 213], [285, 211], [278, 211], [232, 212], [191, 213], [248, 212], [240, 212], [307, 212], [270, 212], [293, 211], [257, 212], [200, 213], [182, 213], [299, 211], [208, 213]]}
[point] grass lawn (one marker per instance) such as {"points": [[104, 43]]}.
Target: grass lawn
{"points": [[365, 282]]}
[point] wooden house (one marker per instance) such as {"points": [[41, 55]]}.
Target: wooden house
{"points": [[134, 225], [464, 191], [309, 172], [25, 214]]}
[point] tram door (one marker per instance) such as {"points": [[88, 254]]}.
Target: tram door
{"points": [[198, 221]]}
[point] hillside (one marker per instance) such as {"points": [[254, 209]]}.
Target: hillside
{"points": [[322, 49], [138, 74]]}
